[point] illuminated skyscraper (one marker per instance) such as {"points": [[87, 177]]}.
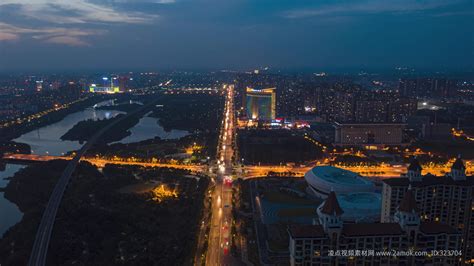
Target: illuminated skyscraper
{"points": [[260, 103]]}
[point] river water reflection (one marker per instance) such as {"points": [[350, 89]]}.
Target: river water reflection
{"points": [[47, 140], [9, 212]]}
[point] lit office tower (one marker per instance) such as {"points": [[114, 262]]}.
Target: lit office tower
{"points": [[260, 103]]}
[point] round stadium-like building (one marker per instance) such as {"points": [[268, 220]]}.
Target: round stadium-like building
{"points": [[324, 179], [356, 194]]}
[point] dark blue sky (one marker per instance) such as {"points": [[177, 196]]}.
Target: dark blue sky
{"points": [[192, 34]]}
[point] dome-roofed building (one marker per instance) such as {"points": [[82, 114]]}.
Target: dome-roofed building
{"points": [[355, 194], [324, 179]]}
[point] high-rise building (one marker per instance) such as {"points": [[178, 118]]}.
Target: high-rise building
{"points": [[343, 106], [400, 109], [260, 104], [371, 111], [329, 241], [123, 83], [447, 199], [290, 102], [408, 87], [428, 87]]}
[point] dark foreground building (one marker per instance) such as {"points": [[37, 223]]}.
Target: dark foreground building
{"points": [[406, 241], [445, 199]]}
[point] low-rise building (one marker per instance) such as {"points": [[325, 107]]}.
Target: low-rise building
{"points": [[368, 134]]}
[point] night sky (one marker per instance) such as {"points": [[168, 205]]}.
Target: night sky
{"points": [[234, 34]]}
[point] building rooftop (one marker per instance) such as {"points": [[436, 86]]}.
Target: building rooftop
{"points": [[434, 228], [360, 198], [339, 176], [360, 206], [331, 205], [408, 203], [429, 180], [260, 89], [363, 124], [458, 164], [371, 229], [304, 231], [414, 165]]}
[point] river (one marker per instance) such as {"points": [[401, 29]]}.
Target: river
{"points": [[47, 140], [9, 212]]}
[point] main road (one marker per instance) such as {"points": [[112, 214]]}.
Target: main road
{"points": [[220, 236], [252, 171], [43, 235]]}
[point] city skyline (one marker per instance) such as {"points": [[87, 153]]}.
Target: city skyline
{"points": [[236, 132], [208, 34], [224, 157]]}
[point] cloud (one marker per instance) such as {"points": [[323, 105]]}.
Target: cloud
{"points": [[367, 7], [75, 12], [146, 1], [7, 36], [67, 40], [61, 19], [58, 35]]}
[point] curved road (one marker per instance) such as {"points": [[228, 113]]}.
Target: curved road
{"points": [[43, 235]]}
